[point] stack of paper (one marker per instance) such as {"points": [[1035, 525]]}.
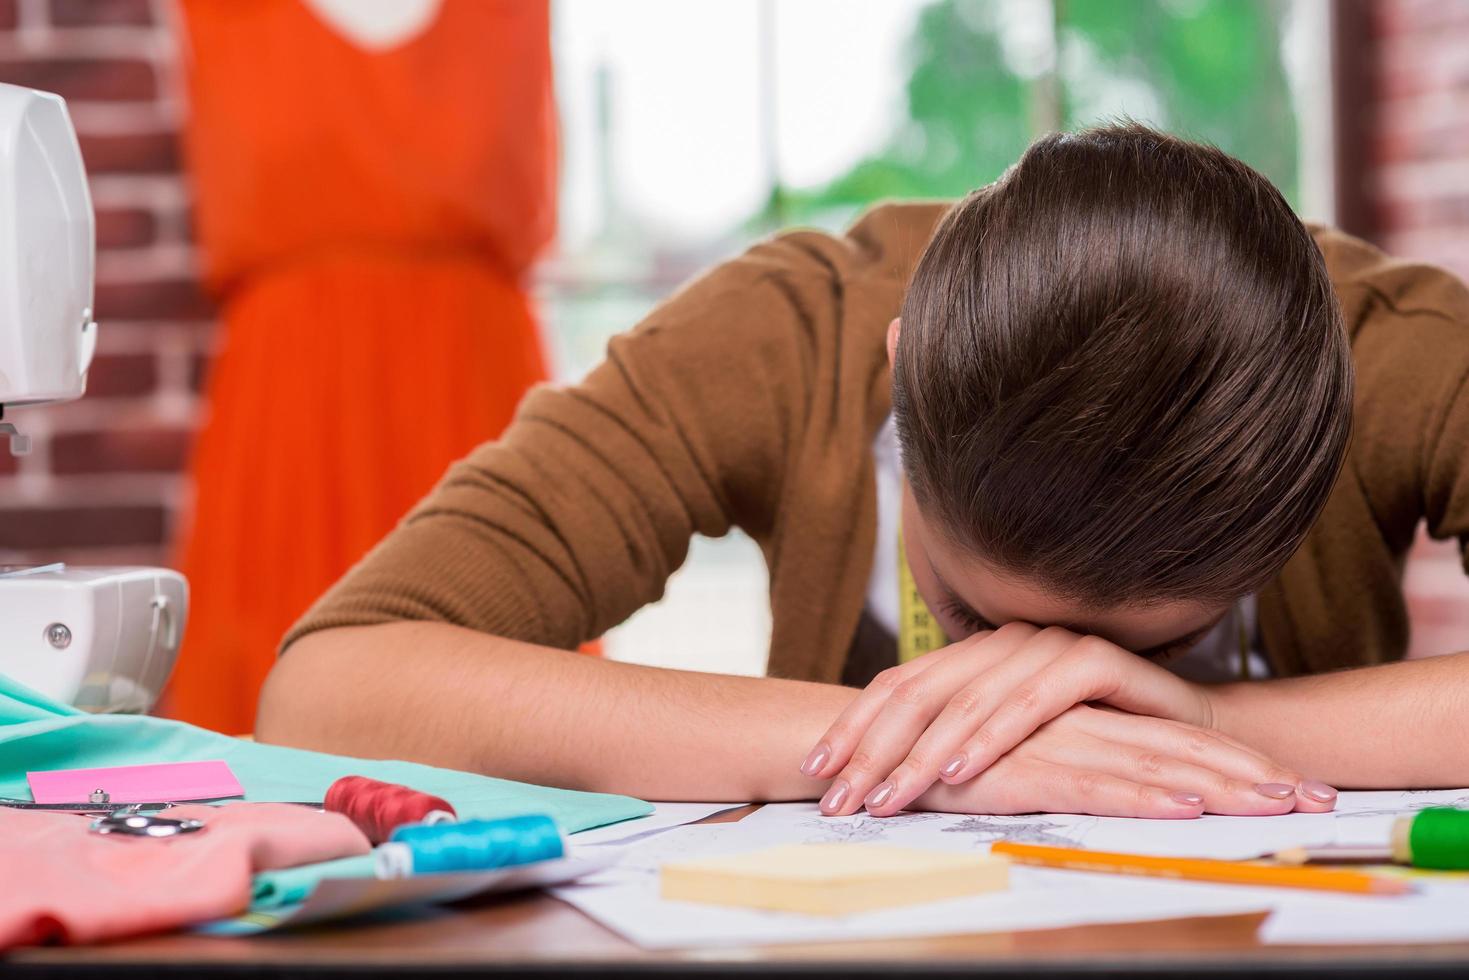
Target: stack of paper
{"points": [[625, 897]]}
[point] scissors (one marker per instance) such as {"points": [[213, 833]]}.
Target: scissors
{"points": [[98, 808], [133, 824]]}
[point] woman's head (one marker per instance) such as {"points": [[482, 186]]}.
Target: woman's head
{"points": [[1121, 378]]}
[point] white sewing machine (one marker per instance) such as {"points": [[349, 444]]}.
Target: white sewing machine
{"points": [[102, 639]]}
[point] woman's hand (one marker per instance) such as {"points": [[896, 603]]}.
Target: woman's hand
{"points": [[1111, 764], [954, 713]]}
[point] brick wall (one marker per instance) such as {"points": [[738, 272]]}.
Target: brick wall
{"points": [[102, 483], [1416, 158], [1418, 147]]}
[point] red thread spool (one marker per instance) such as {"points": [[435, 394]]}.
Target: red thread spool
{"points": [[379, 808]]}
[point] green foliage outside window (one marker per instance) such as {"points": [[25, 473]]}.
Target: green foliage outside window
{"points": [[1205, 69]]}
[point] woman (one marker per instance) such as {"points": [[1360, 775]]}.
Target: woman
{"points": [[1122, 382]]}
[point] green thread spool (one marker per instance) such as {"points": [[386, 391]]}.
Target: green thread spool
{"points": [[1436, 838]]}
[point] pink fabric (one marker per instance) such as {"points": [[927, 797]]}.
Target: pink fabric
{"points": [[65, 884], [207, 780]]}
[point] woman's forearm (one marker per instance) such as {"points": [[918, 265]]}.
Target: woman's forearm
{"points": [[440, 694], [1395, 725]]}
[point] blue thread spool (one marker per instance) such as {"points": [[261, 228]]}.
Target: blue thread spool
{"points": [[475, 845]]}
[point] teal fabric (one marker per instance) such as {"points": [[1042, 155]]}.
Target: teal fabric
{"points": [[37, 733], [289, 886], [19, 703]]}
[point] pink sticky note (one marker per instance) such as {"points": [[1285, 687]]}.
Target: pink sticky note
{"points": [[162, 783]]}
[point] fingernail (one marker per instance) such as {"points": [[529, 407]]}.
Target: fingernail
{"points": [[952, 767], [835, 796], [816, 759], [1188, 799], [1318, 791], [1276, 791], [879, 796]]}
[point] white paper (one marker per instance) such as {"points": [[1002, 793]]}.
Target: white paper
{"points": [[1398, 801], [625, 898], [664, 817], [1439, 913], [1224, 838]]}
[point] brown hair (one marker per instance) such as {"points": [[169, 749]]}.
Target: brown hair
{"points": [[1122, 372]]}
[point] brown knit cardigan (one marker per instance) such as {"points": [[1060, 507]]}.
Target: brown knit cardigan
{"points": [[750, 399]]}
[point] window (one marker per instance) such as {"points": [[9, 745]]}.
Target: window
{"points": [[690, 129]]}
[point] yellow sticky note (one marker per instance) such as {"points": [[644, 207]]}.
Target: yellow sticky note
{"points": [[833, 879]]}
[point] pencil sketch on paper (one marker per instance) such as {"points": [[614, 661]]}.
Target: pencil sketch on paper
{"points": [[1407, 804], [859, 828], [1063, 831], [1026, 830]]}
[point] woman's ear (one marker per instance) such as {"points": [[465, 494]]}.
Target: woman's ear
{"points": [[894, 328]]}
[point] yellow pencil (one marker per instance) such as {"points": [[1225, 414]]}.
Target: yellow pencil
{"points": [[1198, 869]]}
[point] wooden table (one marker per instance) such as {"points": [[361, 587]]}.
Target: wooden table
{"points": [[536, 935]]}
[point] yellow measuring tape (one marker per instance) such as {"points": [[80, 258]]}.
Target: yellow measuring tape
{"points": [[918, 631]]}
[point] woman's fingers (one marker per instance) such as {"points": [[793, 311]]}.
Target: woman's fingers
{"points": [[959, 711], [1220, 793], [922, 680], [963, 710], [1031, 786], [901, 721], [1312, 795], [907, 711], [840, 740], [1213, 752], [1088, 669]]}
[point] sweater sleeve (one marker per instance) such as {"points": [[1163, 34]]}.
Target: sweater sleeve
{"points": [[578, 515], [1410, 328], [1446, 464]]}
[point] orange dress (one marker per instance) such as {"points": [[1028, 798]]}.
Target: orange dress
{"points": [[367, 219]]}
